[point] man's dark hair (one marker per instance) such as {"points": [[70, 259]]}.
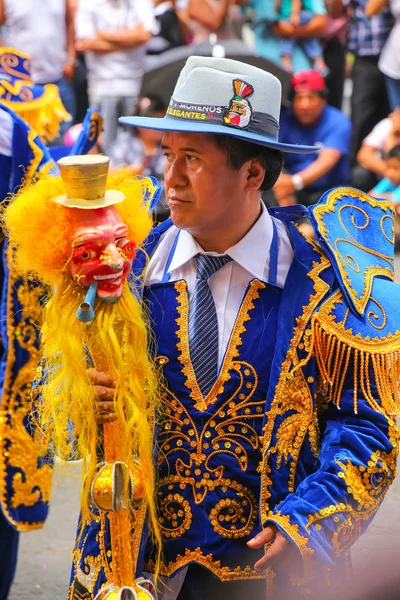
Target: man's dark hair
{"points": [[239, 151], [394, 152], [152, 106]]}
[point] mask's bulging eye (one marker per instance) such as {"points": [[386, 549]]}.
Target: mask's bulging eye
{"points": [[85, 253], [127, 248]]}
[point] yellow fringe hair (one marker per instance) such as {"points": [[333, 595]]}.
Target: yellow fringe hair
{"points": [[40, 233]]}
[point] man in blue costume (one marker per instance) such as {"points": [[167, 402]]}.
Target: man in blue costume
{"points": [[25, 474], [278, 357]]}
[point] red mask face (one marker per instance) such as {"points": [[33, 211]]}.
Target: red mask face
{"points": [[101, 251]]}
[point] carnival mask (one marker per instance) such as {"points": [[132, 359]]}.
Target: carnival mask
{"points": [[101, 252]]}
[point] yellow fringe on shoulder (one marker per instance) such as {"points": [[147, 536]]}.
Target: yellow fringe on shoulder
{"points": [[334, 356], [44, 115]]}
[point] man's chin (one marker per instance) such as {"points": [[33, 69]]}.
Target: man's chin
{"points": [[181, 217]]}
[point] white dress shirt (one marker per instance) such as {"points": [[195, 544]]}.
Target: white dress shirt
{"points": [[6, 133], [250, 260]]}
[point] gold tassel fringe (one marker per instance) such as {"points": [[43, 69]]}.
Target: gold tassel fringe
{"points": [[44, 115], [334, 356]]}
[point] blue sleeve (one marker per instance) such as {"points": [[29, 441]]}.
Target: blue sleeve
{"points": [[396, 194], [357, 459], [338, 133], [318, 7], [383, 186]]}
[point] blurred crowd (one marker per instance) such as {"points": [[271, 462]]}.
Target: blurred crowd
{"points": [[342, 58]]}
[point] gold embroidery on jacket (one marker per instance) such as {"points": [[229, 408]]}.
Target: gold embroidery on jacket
{"points": [[229, 430], [367, 484], [206, 560], [346, 261], [292, 530], [87, 574], [235, 517], [17, 448], [225, 431], [232, 351], [175, 515], [293, 397]]}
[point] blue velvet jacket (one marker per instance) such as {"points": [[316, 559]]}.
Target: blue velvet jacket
{"points": [[319, 427], [25, 472]]}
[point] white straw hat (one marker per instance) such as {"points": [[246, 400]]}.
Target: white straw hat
{"points": [[223, 96]]}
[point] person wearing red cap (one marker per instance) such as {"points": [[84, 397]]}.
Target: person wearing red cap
{"points": [[311, 121]]}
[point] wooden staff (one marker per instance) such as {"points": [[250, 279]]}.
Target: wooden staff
{"points": [[115, 489]]}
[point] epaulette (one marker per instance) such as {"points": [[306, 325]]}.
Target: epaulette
{"points": [[358, 326]]}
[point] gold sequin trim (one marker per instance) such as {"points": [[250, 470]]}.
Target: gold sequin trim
{"points": [[18, 449], [292, 531], [232, 352], [367, 485], [293, 396], [335, 346], [349, 262], [207, 561]]}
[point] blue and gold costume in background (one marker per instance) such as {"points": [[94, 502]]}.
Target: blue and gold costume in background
{"points": [[299, 429], [25, 473]]}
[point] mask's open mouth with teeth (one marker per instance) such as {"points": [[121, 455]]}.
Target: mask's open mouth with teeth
{"points": [[106, 277]]}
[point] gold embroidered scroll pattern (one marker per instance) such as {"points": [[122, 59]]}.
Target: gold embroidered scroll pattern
{"points": [[367, 484], [175, 514], [230, 431], [32, 483], [235, 517], [335, 346], [346, 261], [293, 397], [232, 352], [17, 448]]}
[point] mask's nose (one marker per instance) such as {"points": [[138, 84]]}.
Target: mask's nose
{"points": [[112, 258]]}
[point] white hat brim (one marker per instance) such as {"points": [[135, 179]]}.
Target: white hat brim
{"points": [[110, 198]]}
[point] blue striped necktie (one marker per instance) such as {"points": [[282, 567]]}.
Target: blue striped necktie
{"points": [[203, 323]]}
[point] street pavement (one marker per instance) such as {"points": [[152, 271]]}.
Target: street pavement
{"points": [[45, 556]]}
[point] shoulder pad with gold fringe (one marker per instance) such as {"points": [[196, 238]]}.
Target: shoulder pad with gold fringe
{"points": [[360, 323]]}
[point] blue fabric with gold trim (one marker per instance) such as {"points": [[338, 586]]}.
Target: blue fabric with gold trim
{"points": [[318, 408], [40, 106], [322, 487], [29, 156], [25, 475], [322, 478], [91, 130], [16, 86]]}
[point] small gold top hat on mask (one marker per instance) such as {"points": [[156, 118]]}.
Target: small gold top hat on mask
{"points": [[85, 179]]}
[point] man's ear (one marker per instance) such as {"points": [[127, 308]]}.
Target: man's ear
{"points": [[255, 174]]}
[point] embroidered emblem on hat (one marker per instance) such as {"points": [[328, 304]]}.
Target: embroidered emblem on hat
{"points": [[240, 111]]}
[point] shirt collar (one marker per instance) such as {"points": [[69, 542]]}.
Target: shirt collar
{"points": [[251, 253]]}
